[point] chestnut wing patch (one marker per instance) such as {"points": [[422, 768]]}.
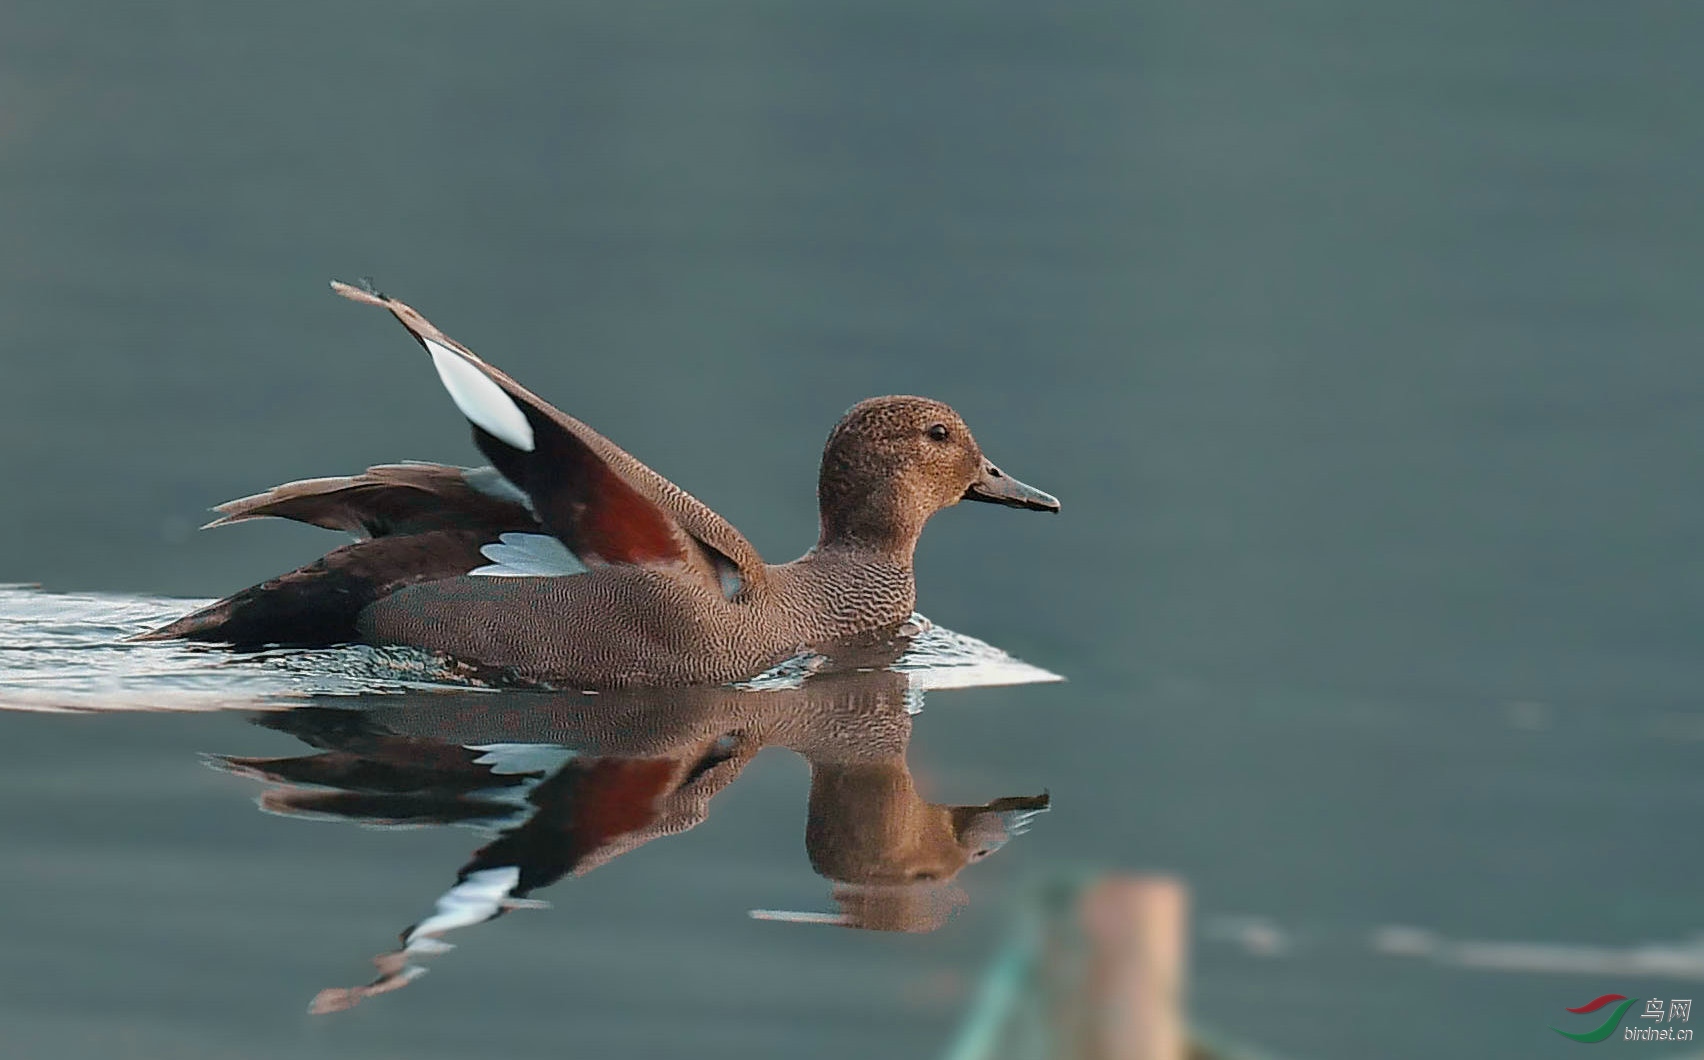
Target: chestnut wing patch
{"points": [[580, 499], [582, 810]]}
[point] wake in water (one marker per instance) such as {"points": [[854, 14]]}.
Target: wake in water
{"points": [[67, 651]]}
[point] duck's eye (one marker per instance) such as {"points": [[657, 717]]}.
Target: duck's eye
{"points": [[938, 432]]}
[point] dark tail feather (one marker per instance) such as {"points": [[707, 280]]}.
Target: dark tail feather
{"points": [[318, 605]]}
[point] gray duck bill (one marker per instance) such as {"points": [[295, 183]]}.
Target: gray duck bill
{"points": [[997, 487]]}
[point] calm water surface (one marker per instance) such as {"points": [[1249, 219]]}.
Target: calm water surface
{"points": [[1360, 344]]}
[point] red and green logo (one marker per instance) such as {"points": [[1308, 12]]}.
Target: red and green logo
{"points": [[1609, 1024]]}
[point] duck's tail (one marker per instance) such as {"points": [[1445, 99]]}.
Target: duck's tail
{"points": [[318, 605], [419, 522]]}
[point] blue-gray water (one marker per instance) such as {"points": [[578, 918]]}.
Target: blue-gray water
{"points": [[1360, 344]]}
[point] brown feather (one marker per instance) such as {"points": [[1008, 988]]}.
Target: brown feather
{"points": [[384, 500]]}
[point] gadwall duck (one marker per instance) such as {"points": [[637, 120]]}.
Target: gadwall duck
{"points": [[570, 562]]}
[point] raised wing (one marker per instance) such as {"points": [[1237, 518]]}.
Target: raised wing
{"points": [[606, 506]]}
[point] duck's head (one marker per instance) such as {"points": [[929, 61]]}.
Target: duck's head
{"points": [[891, 462]]}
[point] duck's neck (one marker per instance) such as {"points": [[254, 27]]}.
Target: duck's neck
{"points": [[876, 524], [852, 589]]}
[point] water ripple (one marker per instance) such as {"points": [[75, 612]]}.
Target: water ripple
{"points": [[67, 652]]}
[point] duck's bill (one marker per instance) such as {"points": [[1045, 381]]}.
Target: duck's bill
{"points": [[997, 487]]}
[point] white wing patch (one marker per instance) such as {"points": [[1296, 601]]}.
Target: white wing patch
{"points": [[518, 759], [473, 901], [480, 400], [528, 556]]}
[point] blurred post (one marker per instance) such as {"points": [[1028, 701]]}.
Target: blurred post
{"points": [[1137, 935], [1094, 970]]}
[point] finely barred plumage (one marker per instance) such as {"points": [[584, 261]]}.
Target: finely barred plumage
{"points": [[670, 592]]}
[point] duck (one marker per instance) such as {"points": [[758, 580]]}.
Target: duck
{"points": [[566, 561]]}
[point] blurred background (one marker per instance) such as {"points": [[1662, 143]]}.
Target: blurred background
{"points": [[1360, 343]]}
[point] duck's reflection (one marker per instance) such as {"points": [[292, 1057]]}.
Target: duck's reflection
{"points": [[570, 782]]}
